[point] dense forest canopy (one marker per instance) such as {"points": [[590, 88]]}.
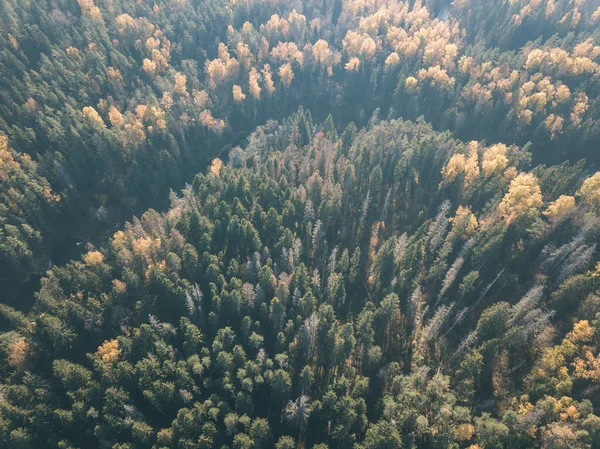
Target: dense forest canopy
{"points": [[364, 224]]}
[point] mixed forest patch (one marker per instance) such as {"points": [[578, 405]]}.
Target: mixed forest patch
{"points": [[356, 224]]}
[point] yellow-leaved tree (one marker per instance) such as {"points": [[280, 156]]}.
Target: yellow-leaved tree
{"points": [[523, 200]]}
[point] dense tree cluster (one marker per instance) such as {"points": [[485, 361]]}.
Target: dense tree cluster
{"points": [[119, 101], [385, 287], [420, 272]]}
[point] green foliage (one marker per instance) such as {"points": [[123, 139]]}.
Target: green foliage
{"points": [[382, 287]]}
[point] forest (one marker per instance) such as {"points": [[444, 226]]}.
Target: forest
{"points": [[316, 224]]}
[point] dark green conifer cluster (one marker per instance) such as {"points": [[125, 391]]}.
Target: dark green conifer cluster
{"points": [[326, 291]]}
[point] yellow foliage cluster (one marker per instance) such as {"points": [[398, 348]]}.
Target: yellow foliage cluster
{"points": [[253, 87], [464, 432], [472, 163], [109, 352], [88, 8], [353, 65], [6, 157], [144, 246], [494, 159], [557, 60], [287, 52], [276, 26], [124, 21], [200, 99], [216, 166], [133, 134], [119, 240], [392, 60], [92, 115], [244, 55], [437, 76], [590, 189], [356, 44], [579, 109], [207, 120], [180, 84], [18, 351], [596, 15], [454, 167], [524, 198], [149, 67], [414, 33], [14, 43], [114, 74], [93, 258], [558, 210], [461, 165], [411, 85], [322, 53], [72, 52], [554, 125], [159, 48], [119, 286], [286, 74], [465, 221], [220, 69], [296, 20], [588, 367], [151, 116], [268, 78], [115, 117], [238, 94]]}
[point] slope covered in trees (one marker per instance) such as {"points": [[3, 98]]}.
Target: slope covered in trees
{"points": [[386, 287], [117, 102], [358, 224]]}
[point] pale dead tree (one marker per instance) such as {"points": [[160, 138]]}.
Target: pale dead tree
{"points": [[400, 249], [527, 303], [466, 344], [187, 202], [487, 289], [317, 235], [467, 247], [161, 328], [297, 412], [416, 301], [248, 293], [386, 205], [297, 249], [253, 266], [374, 120], [459, 317], [193, 300], [296, 297], [554, 258], [452, 273], [450, 277], [365, 208], [577, 261], [437, 228], [309, 212], [434, 325], [309, 332], [332, 261], [535, 322], [316, 280], [288, 256]]}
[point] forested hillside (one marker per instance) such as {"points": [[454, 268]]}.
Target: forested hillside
{"points": [[357, 224], [118, 102]]}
